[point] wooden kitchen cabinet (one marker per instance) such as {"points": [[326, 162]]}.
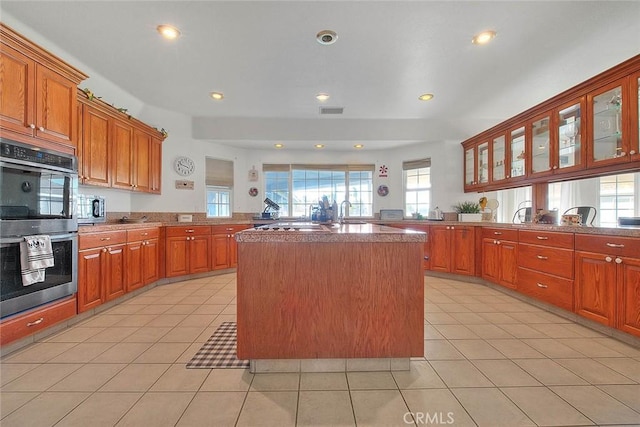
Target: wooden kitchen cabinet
{"points": [[427, 245], [187, 250], [453, 249], [224, 249], [94, 148], [545, 266], [142, 257], [141, 155], [121, 162], [101, 262], [499, 256], [32, 321], [608, 281], [156, 166], [38, 103]]}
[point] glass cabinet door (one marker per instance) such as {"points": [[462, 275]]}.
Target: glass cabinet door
{"points": [[634, 150], [569, 150], [518, 155], [541, 145], [469, 166], [606, 137], [499, 158], [483, 163]]}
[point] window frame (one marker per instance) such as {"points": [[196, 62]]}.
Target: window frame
{"points": [[408, 167], [217, 188]]}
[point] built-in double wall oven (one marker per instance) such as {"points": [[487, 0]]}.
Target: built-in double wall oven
{"points": [[38, 188]]}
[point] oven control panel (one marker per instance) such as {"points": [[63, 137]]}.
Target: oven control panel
{"points": [[15, 151]]}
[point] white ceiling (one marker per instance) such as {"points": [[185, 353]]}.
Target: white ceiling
{"points": [[264, 57]]}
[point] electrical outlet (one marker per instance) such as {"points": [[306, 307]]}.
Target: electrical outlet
{"points": [[182, 184]]}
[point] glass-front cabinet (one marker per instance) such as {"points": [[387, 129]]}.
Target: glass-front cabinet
{"points": [[469, 167], [634, 149], [607, 137], [483, 163], [540, 145], [517, 153], [569, 150], [499, 159]]}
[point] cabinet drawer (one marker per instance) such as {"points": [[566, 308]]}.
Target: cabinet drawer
{"points": [[554, 261], [551, 289], [143, 234], [106, 238], [499, 234], [555, 239], [228, 228], [195, 230], [610, 245], [29, 323]]}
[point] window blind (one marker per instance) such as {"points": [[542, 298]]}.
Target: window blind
{"points": [[416, 164], [219, 172]]}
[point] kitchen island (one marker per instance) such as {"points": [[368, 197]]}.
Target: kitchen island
{"points": [[338, 291]]}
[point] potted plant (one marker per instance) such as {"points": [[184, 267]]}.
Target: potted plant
{"points": [[468, 212]]}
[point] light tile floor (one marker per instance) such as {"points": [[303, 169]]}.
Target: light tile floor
{"points": [[490, 360]]}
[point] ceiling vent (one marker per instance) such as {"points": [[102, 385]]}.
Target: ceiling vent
{"points": [[331, 110]]}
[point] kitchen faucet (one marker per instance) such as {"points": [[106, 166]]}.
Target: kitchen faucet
{"points": [[341, 217]]}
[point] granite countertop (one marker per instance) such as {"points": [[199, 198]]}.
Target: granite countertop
{"points": [[88, 228], [312, 232]]}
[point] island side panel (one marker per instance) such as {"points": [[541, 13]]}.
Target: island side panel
{"points": [[330, 300]]}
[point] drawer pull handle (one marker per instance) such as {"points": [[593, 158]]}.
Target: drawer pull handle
{"points": [[35, 322], [191, 230], [615, 245], [229, 229], [542, 238], [542, 257], [103, 239], [540, 285], [497, 233], [145, 234]]}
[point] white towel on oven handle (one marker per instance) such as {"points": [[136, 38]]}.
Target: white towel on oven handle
{"points": [[36, 254]]}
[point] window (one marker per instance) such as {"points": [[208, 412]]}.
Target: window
{"points": [[218, 202], [417, 187], [298, 187], [219, 184], [617, 198]]}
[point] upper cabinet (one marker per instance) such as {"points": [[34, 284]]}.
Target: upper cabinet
{"points": [[117, 150], [589, 130], [38, 103]]}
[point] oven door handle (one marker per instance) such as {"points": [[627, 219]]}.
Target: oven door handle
{"points": [[5, 241]]}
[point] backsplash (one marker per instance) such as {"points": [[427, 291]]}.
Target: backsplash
{"points": [[115, 217]]}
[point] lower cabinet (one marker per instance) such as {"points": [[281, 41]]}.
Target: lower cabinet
{"points": [[100, 268], [499, 256], [608, 281], [453, 249], [141, 259], [187, 250], [32, 321], [224, 249]]}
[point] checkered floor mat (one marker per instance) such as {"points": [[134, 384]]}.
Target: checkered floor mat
{"points": [[220, 350]]}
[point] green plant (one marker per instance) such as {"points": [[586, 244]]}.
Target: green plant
{"points": [[467, 207]]}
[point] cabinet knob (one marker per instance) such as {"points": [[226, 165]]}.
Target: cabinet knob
{"points": [[188, 238], [632, 152], [618, 260], [507, 176], [32, 126], [41, 128], [497, 242], [623, 153], [555, 167], [104, 249], [453, 227], [608, 259]]}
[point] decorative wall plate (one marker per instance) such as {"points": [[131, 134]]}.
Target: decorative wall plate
{"points": [[383, 190], [253, 191]]}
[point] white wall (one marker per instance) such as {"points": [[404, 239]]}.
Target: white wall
{"points": [[446, 156]]}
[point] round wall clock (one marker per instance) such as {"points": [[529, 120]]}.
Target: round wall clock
{"points": [[184, 166]]}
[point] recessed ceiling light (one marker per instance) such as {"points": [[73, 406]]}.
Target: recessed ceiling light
{"points": [[483, 37], [425, 96], [169, 32], [319, 145], [322, 96], [326, 37], [278, 145], [217, 95], [358, 146]]}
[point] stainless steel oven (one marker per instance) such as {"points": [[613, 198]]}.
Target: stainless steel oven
{"points": [[38, 189]]}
